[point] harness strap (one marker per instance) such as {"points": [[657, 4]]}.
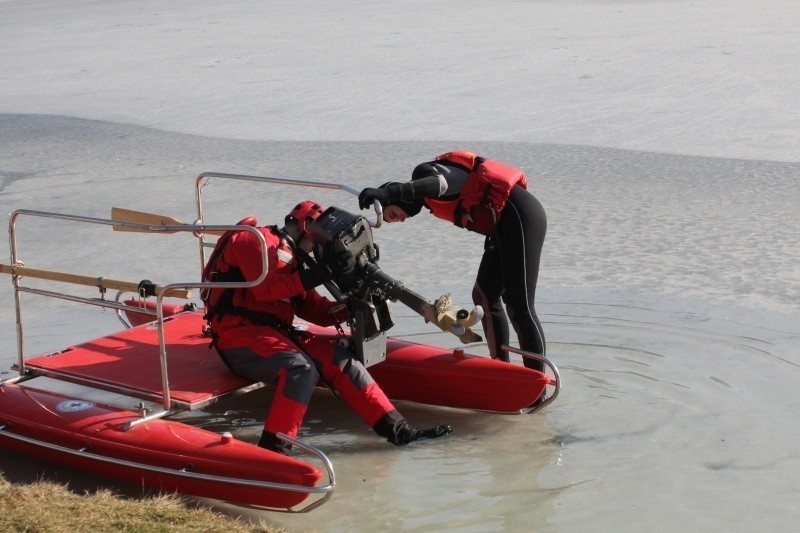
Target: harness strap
{"points": [[225, 306], [460, 213]]}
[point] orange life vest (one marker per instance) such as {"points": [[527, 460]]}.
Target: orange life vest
{"points": [[484, 195]]}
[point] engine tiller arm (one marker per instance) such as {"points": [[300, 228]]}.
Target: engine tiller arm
{"points": [[442, 312]]}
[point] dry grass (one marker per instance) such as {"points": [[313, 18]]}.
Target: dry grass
{"points": [[44, 506]]}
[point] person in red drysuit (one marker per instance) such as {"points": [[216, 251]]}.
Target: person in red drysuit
{"points": [[253, 332]]}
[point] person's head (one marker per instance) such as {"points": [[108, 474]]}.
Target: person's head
{"points": [[394, 213], [300, 218], [399, 210]]}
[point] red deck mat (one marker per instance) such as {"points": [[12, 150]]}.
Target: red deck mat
{"points": [[130, 359]]}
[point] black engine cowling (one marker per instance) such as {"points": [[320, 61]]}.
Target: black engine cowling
{"points": [[365, 288]]}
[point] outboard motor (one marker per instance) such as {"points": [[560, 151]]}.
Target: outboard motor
{"points": [[366, 289]]}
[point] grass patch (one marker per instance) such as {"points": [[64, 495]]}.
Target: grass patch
{"points": [[45, 506]]}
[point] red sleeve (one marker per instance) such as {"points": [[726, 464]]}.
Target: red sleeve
{"points": [[282, 281], [315, 309]]}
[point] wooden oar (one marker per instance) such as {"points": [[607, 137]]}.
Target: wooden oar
{"points": [[77, 279], [118, 214]]}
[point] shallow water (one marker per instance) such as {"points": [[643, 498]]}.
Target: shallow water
{"points": [[668, 295]]}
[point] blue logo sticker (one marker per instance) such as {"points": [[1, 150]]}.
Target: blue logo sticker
{"points": [[72, 406]]}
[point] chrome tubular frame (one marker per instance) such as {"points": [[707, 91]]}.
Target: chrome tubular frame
{"points": [[555, 380], [85, 452], [204, 178], [18, 289]]}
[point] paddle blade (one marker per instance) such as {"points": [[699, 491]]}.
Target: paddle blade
{"points": [[119, 214]]}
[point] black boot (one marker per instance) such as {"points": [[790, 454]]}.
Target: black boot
{"points": [[270, 441], [405, 433], [531, 363], [396, 430]]}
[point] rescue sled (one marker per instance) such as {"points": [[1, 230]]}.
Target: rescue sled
{"points": [[163, 356]]}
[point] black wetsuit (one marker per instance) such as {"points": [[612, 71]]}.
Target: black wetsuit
{"points": [[509, 269]]}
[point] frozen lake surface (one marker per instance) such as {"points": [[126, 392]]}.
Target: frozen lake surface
{"points": [[661, 137]]}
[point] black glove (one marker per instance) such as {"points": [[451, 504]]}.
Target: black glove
{"points": [[315, 275], [394, 428], [405, 434], [434, 433], [369, 195], [386, 194]]}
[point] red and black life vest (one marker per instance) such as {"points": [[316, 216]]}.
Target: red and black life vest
{"points": [[484, 195], [237, 301], [219, 301]]}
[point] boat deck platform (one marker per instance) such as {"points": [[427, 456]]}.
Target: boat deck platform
{"points": [[128, 362]]}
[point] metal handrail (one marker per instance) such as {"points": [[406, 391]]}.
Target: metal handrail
{"points": [[202, 180], [555, 380], [104, 303]]}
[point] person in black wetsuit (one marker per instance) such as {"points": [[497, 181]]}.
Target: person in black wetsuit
{"points": [[490, 198]]}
